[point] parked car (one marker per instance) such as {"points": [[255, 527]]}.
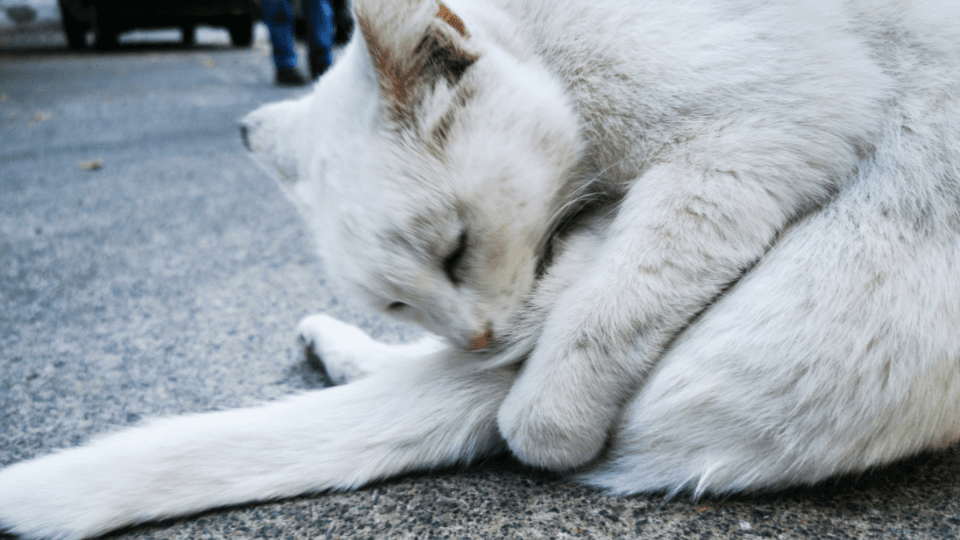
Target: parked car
{"points": [[107, 18]]}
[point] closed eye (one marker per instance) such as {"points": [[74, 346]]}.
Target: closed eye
{"points": [[453, 260]]}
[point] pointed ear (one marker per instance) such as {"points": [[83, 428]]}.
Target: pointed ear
{"points": [[412, 45], [450, 18]]}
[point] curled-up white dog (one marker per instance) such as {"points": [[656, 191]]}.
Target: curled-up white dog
{"points": [[704, 246]]}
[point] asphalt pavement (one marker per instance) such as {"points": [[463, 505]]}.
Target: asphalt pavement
{"points": [[148, 268]]}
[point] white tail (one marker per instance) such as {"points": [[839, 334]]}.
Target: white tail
{"points": [[428, 412]]}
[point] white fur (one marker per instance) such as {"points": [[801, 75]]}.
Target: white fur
{"points": [[349, 354], [338, 438], [750, 213]]}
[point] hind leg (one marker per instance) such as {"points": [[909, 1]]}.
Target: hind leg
{"points": [[837, 353], [348, 353], [839, 350]]}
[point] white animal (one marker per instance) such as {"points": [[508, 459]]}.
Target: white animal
{"points": [[701, 245]]}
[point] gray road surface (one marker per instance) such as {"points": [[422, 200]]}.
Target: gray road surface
{"points": [[170, 281]]}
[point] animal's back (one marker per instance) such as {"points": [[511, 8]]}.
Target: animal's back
{"points": [[641, 71], [839, 350]]}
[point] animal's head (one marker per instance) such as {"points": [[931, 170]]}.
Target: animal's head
{"points": [[429, 163]]}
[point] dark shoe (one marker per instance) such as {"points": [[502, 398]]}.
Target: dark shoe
{"points": [[344, 28], [343, 21], [289, 77], [319, 63]]}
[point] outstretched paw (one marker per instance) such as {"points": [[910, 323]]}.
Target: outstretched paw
{"points": [[343, 349]]}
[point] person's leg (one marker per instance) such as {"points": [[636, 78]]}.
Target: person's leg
{"points": [[321, 31], [343, 20], [278, 16]]}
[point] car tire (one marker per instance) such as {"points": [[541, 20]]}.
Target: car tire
{"points": [[241, 31], [188, 34], [74, 29], [105, 29]]}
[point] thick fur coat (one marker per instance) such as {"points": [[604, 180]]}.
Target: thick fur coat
{"points": [[707, 245]]}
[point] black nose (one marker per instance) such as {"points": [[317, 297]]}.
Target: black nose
{"points": [[245, 137]]}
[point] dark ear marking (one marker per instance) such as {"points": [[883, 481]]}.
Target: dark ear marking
{"points": [[446, 52], [437, 55], [440, 131], [412, 51]]}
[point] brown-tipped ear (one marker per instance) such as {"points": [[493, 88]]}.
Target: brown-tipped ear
{"points": [[413, 45], [450, 18]]}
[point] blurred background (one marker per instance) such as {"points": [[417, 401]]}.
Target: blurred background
{"points": [[107, 24]]}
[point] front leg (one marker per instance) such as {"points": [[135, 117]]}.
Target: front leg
{"points": [[348, 353], [681, 236]]}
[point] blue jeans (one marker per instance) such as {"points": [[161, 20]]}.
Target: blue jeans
{"points": [[278, 16]]}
